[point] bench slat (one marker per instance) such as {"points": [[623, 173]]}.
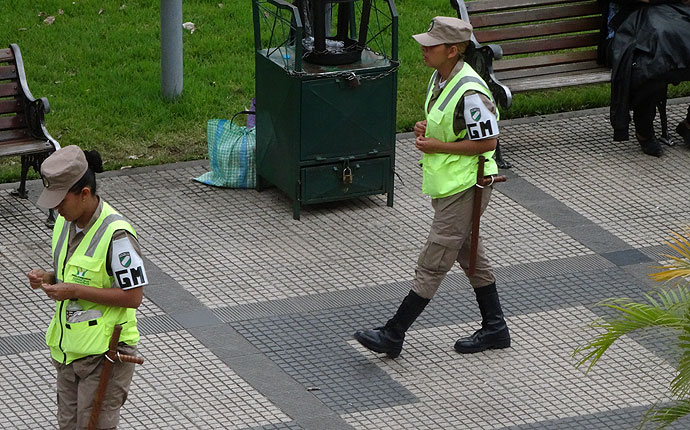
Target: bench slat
{"points": [[544, 60], [581, 67], [8, 106], [9, 89], [8, 122], [16, 134], [477, 6], [536, 30], [551, 44], [8, 72], [6, 54], [23, 147], [515, 17], [558, 80]]}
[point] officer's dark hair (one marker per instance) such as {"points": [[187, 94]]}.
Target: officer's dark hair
{"points": [[93, 158], [462, 47]]}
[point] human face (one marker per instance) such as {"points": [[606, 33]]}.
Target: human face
{"points": [[438, 55], [69, 207], [72, 207]]}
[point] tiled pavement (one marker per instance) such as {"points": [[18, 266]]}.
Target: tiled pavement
{"points": [[248, 321]]}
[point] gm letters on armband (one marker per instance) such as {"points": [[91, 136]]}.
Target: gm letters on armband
{"points": [[127, 265], [480, 121]]}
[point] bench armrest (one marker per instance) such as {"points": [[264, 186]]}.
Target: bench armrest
{"points": [[46, 105], [35, 108], [35, 118], [481, 59]]}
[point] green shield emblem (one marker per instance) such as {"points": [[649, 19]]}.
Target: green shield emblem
{"points": [[125, 259]]}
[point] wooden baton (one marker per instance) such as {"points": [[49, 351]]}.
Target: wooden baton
{"points": [[477, 209], [109, 359]]}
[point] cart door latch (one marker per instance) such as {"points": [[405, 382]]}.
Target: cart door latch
{"points": [[347, 174], [352, 80]]}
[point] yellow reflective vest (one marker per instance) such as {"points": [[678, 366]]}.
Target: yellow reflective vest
{"points": [[448, 174], [69, 341]]}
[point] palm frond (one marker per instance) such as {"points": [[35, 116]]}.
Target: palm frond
{"points": [[665, 312], [667, 307], [667, 415], [680, 267], [680, 386]]}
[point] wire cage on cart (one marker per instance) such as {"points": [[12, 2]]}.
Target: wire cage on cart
{"points": [[326, 83]]}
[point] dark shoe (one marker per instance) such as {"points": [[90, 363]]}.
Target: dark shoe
{"points": [[389, 338], [651, 146], [494, 333], [381, 340], [482, 340], [684, 130]]}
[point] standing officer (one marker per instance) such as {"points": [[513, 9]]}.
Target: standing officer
{"points": [[461, 124], [97, 272]]}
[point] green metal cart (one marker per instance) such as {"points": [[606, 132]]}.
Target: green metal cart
{"points": [[324, 132]]}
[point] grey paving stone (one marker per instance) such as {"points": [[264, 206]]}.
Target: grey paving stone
{"points": [[627, 257], [247, 321]]}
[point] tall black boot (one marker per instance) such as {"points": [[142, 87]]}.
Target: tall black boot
{"points": [[494, 333], [389, 338]]}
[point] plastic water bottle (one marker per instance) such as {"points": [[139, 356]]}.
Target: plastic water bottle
{"points": [[251, 118], [72, 307]]}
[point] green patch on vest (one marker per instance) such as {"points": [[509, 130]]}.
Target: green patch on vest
{"points": [[80, 277]]}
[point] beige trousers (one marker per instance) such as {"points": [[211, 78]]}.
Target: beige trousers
{"points": [[76, 389], [449, 241]]}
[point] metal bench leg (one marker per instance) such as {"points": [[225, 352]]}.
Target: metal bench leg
{"points": [[50, 221], [498, 155], [21, 191], [661, 107]]}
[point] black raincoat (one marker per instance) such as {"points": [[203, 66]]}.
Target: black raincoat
{"points": [[651, 45]]}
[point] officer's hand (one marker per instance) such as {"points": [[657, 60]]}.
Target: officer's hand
{"points": [[37, 277], [420, 128], [60, 291], [427, 145]]}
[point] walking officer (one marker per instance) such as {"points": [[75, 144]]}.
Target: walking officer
{"points": [[461, 125], [95, 282]]}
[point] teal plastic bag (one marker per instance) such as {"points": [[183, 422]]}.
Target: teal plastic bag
{"points": [[231, 154]]}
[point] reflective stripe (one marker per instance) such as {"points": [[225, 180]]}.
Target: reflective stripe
{"points": [[100, 232], [58, 249], [431, 82], [461, 82]]}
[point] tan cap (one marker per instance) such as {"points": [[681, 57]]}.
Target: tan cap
{"points": [[444, 29], [64, 168]]}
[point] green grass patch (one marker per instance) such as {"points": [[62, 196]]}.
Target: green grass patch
{"points": [[98, 64]]}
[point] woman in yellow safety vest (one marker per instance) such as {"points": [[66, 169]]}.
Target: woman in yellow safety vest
{"points": [[95, 282], [461, 124]]}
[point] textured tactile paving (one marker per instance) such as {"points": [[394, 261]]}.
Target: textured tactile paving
{"points": [[634, 196], [181, 385], [531, 382], [250, 313]]}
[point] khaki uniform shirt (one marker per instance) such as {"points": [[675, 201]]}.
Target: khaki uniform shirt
{"points": [[459, 114], [75, 238]]}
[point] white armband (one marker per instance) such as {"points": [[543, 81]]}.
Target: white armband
{"points": [[481, 122], [127, 265]]}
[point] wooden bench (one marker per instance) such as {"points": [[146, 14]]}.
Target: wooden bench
{"points": [[22, 126], [524, 45]]}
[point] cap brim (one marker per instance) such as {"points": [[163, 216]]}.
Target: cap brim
{"points": [[51, 198], [425, 40]]}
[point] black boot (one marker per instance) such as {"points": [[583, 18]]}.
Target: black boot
{"points": [[650, 146], [389, 338], [494, 333]]}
